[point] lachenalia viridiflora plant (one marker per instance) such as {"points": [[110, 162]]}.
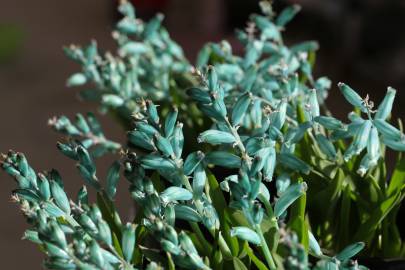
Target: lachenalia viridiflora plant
{"points": [[230, 162]]}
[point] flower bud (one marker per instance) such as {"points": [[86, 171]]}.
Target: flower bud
{"points": [[246, 234]]}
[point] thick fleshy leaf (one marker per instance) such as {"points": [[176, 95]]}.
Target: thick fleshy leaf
{"points": [[350, 251]]}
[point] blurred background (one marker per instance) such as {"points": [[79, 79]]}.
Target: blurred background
{"points": [[362, 43]]}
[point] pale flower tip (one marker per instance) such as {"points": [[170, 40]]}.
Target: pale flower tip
{"points": [[297, 7], [361, 171], [391, 89]]}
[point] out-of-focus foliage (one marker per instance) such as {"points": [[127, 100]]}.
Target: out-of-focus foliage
{"points": [[11, 37]]}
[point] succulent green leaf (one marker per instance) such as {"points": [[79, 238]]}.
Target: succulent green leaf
{"points": [[238, 264], [350, 251]]}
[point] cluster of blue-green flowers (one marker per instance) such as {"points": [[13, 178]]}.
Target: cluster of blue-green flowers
{"points": [[204, 145], [146, 61], [73, 234]]}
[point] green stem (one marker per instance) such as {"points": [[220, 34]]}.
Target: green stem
{"points": [[265, 248], [239, 143], [226, 251], [270, 213], [124, 262], [242, 149], [200, 236]]}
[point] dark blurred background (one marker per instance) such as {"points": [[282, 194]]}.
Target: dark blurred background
{"points": [[362, 43]]}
